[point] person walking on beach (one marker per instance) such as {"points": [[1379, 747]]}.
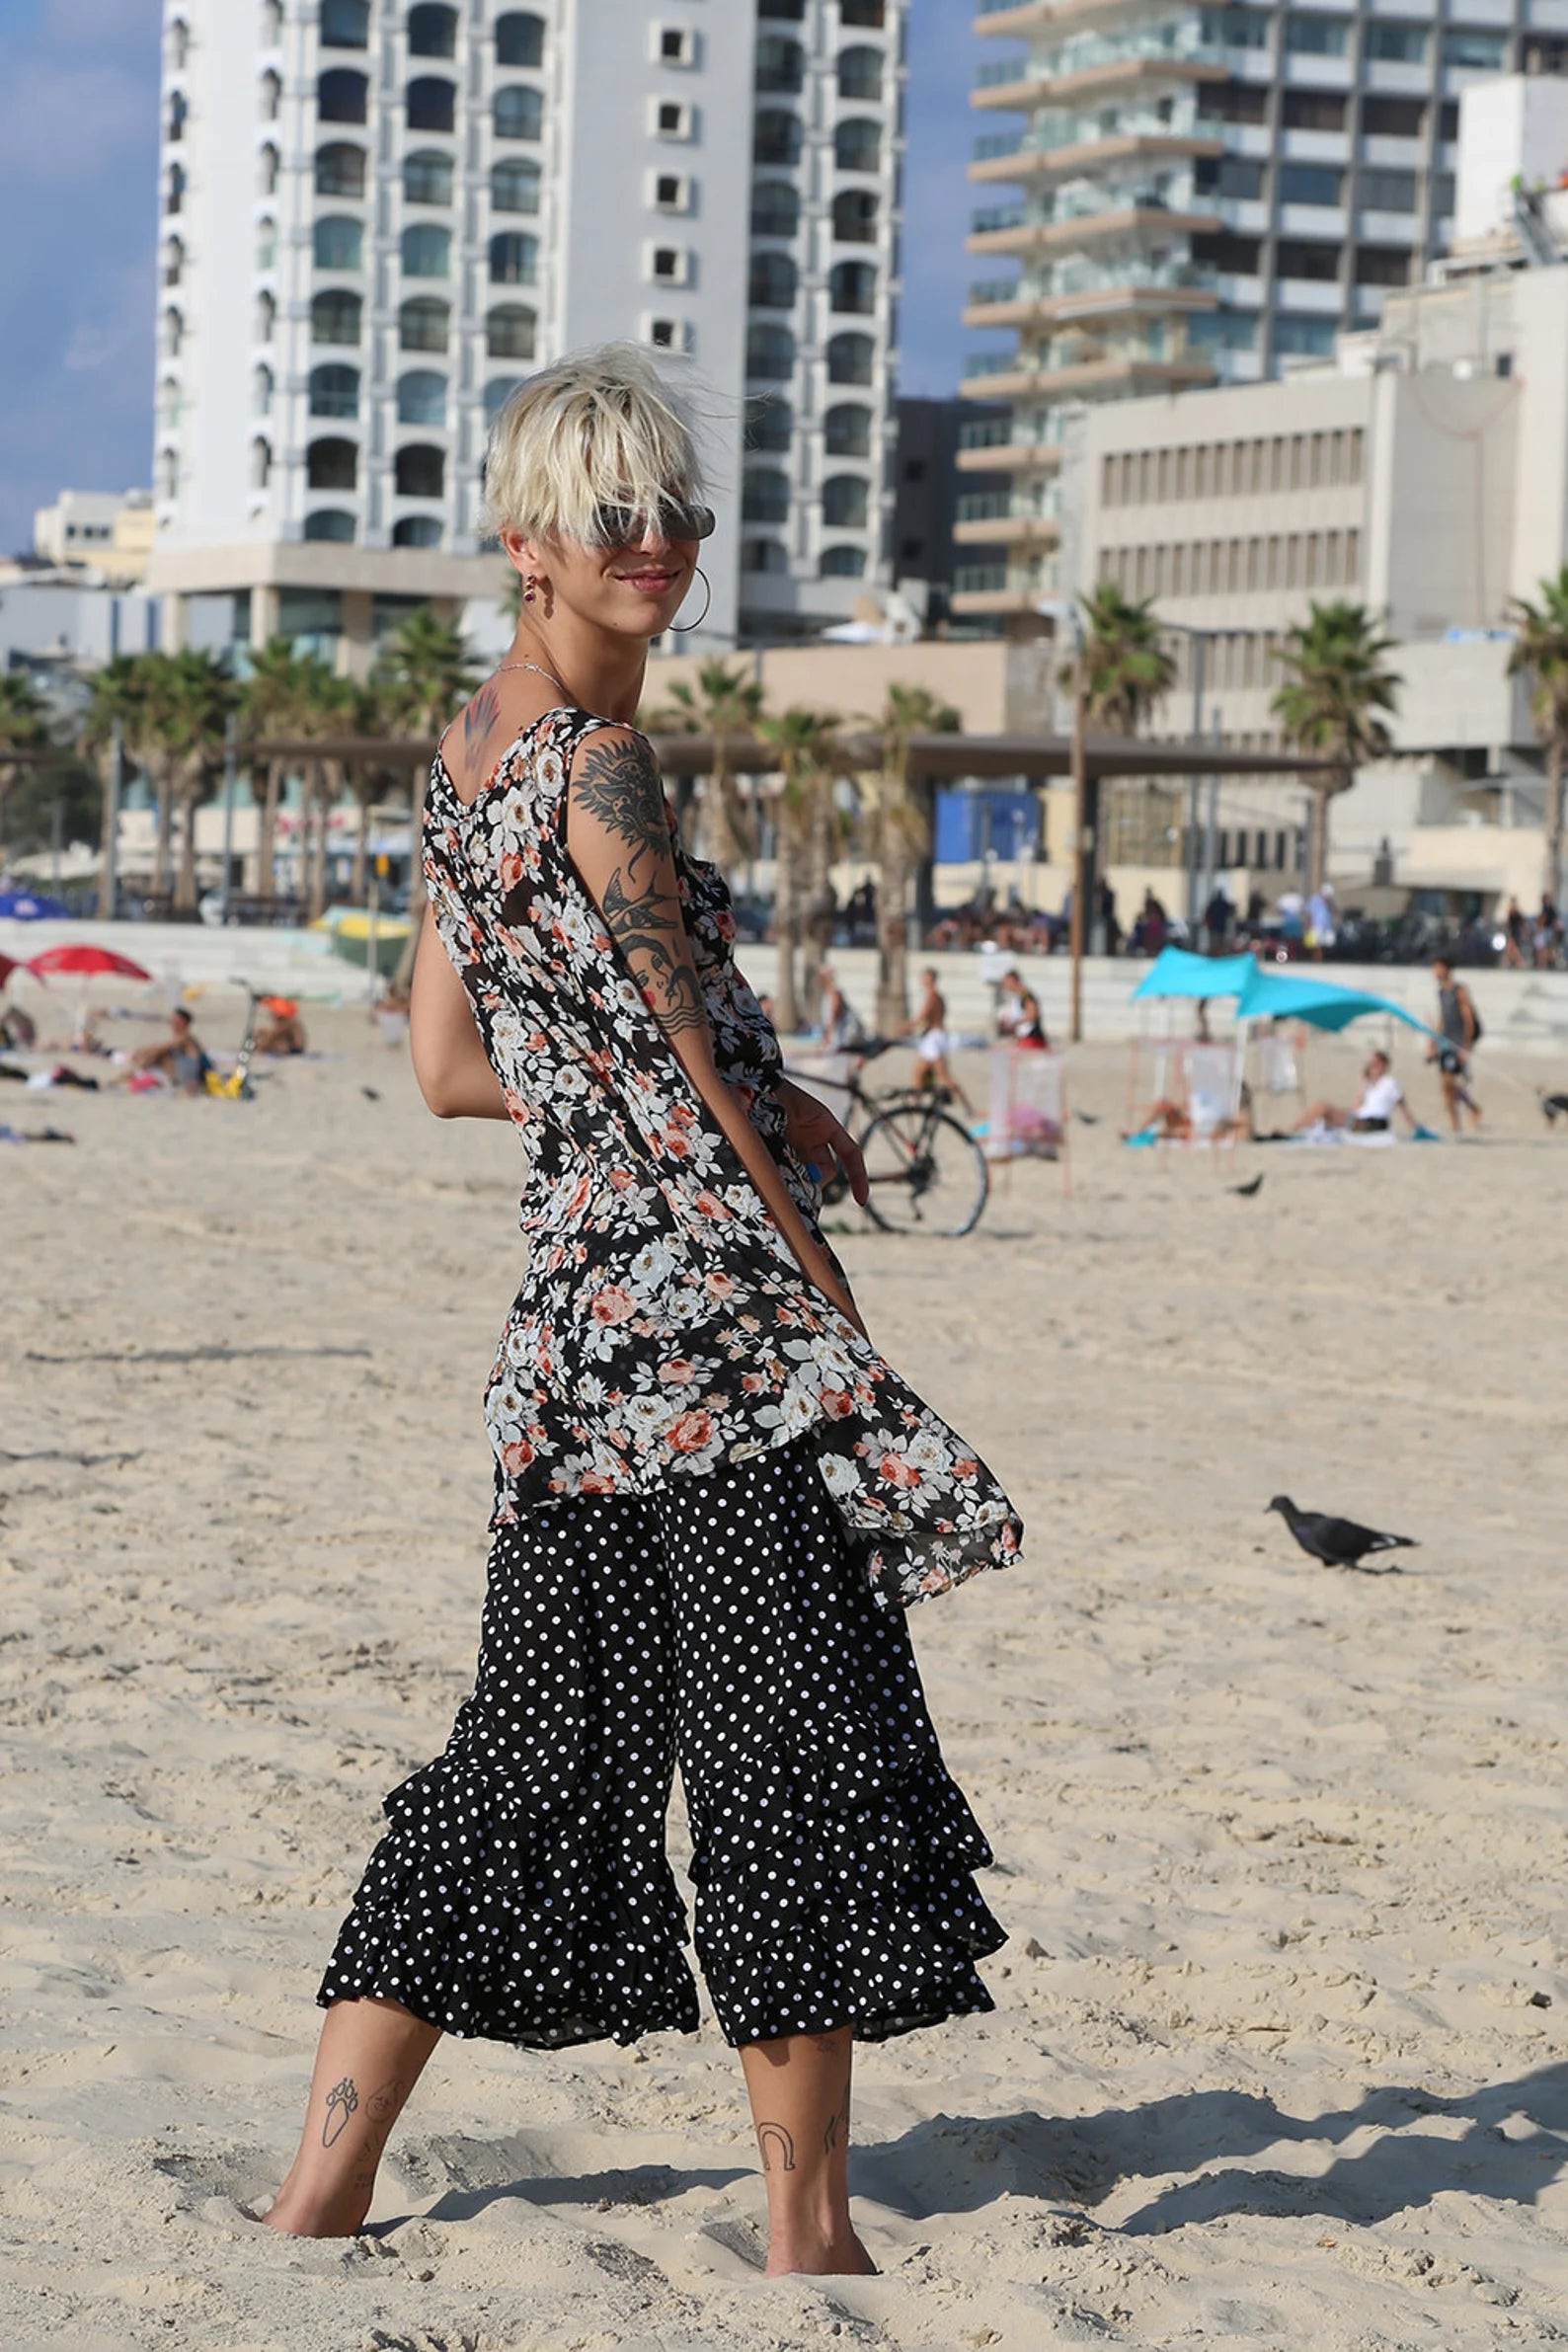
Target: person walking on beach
{"points": [[713, 1497], [932, 1042], [1459, 1027]]}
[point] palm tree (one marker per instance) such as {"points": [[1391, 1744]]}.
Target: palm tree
{"points": [[1541, 648], [24, 728], [723, 703], [1330, 704], [189, 696], [897, 817], [426, 671], [329, 706], [1122, 668], [117, 704], [804, 820], [273, 704]]}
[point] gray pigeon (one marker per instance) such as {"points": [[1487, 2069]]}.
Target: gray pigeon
{"points": [[1338, 1542]]}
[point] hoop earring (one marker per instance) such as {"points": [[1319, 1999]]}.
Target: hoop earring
{"points": [[684, 628]]}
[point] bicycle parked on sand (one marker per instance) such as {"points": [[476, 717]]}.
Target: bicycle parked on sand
{"points": [[927, 1172]]}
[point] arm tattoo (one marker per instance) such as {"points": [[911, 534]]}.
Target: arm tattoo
{"points": [[782, 2141], [618, 785]]}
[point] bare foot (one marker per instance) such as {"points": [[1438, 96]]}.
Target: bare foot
{"points": [[297, 2217], [838, 2258]]}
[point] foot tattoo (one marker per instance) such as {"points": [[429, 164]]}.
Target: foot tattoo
{"points": [[342, 2100]]}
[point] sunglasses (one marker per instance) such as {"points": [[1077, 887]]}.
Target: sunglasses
{"points": [[624, 526]]}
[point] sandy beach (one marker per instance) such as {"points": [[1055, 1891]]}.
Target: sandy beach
{"points": [[1278, 2057]]}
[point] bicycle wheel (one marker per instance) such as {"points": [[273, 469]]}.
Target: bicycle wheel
{"points": [[927, 1173]]}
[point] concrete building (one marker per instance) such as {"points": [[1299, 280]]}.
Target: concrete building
{"points": [[929, 495], [377, 218], [106, 532], [1199, 195]]}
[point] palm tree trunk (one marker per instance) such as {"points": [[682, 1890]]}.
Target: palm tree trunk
{"points": [[1317, 834], [1551, 847], [185, 887], [160, 847], [786, 925], [361, 848], [892, 941], [267, 830]]}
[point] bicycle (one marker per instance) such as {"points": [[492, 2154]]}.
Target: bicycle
{"points": [[927, 1172]]}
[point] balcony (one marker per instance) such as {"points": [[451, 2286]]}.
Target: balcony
{"points": [[1020, 19], [1137, 63], [1132, 218], [1003, 589], [1027, 157], [1019, 453], [1149, 290], [1097, 371], [995, 518]]}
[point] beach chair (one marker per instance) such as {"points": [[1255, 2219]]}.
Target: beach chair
{"points": [[1028, 1108]]}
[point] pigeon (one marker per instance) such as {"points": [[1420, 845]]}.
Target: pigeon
{"points": [[1552, 1104], [1338, 1542], [1087, 1118], [370, 1094], [1246, 1192]]}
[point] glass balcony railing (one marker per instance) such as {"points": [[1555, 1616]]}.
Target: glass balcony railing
{"points": [[987, 433], [1038, 579], [1003, 505], [992, 364], [996, 143], [1180, 42], [1001, 70], [1079, 276], [996, 289], [979, 580], [991, 218]]}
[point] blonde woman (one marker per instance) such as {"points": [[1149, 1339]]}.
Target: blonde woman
{"points": [[713, 1497]]}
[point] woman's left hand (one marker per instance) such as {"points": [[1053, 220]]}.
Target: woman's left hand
{"points": [[810, 1129]]}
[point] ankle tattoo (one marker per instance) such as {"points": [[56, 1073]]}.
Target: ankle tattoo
{"points": [[782, 2142], [342, 2100]]}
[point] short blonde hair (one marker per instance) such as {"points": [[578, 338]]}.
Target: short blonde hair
{"points": [[597, 426]]}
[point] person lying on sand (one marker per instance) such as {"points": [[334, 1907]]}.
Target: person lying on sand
{"points": [[1382, 1099]]}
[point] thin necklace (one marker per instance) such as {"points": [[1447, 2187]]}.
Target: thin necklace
{"points": [[535, 665]]}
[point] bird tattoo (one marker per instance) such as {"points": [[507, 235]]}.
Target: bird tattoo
{"points": [[1338, 1542]]}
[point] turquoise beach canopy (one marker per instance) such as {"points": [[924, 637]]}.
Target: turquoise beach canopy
{"points": [[1300, 996], [1176, 972]]}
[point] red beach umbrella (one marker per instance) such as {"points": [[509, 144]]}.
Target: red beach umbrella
{"points": [[8, 964], [84, 957]]}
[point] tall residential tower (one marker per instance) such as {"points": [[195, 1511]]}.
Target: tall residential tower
{"points": [[377, 218], [1200, 194]]}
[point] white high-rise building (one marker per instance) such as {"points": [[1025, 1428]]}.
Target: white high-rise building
{"points": [[376, 217]]}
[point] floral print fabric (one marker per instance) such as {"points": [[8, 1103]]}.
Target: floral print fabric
{"points": [[663, 1327]]}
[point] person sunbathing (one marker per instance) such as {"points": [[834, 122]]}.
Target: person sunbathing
{"points": [[285, 1032], [1382, 1099], [180, 1057]]}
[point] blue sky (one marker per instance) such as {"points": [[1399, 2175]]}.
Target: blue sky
{"points": [[78, 162]]}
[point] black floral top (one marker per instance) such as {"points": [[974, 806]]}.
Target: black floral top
{"points": [[663, 1326]]}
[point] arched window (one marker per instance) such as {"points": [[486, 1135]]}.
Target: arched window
{"points": [[169, 405], [168, 474], [334, 390], [770, 351], [776, 136], [857, 144], [172, 335], [265, 243], [426, 250], [519, 38], [272, 22], [422, 325], [331, 523], [173, 261], [417, 530], [261, 463], [843, 563], [422, 397], [851, 359], [860, 73], [846, 431], [771, 281], [339, 170], [338, 242], [332, 465], [179, 46], [267, 171], [432, 32], [780, 62], [852, 286], [271, 92], [765, 497], [763, 555], [431, 103], [770, 425], [514, 185], [265, 317], [510, 333], [178, 111], [342, 95], [498, 392], [855, 217], [845, 501], [513, 258], [426, 177], [519, 112], [775, 209], [864, 15], [262, 392], [174, 189], [335, 317], [420, 471], [345, 24]]}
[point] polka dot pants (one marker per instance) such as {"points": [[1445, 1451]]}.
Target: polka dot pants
{"points": [[522, 1891]]}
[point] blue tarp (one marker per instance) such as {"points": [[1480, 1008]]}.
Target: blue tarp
{"points": [[1294, 995], [1176, 972], [31, 907]]}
